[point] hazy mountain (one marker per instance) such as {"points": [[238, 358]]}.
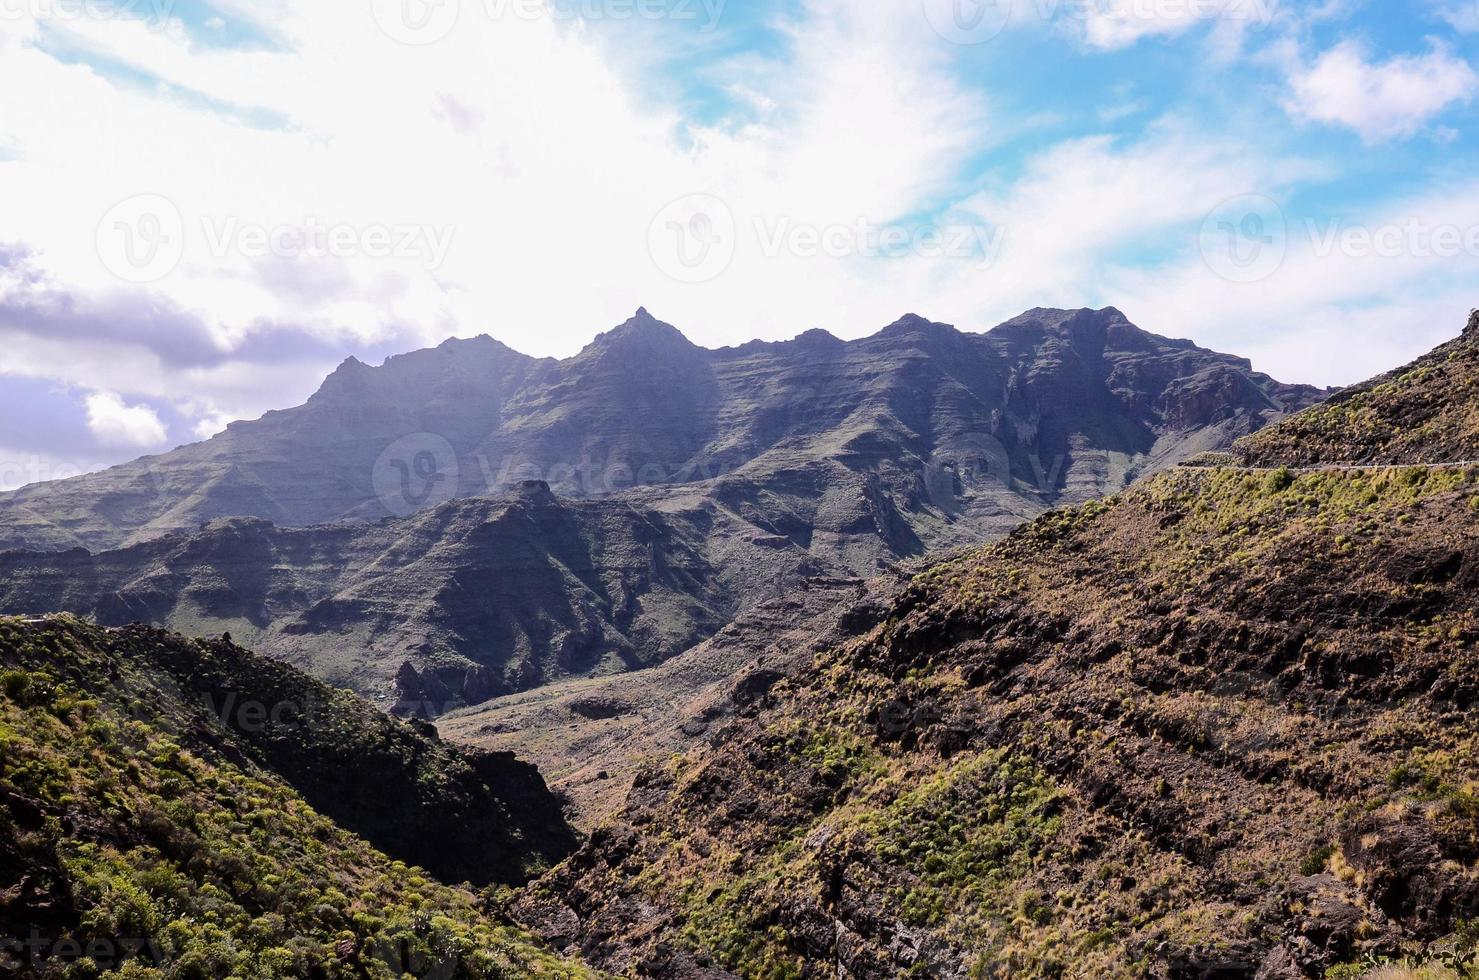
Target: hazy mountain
{"points": [[1051, 405], [1222, 725]]}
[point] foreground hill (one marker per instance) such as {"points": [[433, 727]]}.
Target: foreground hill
{"points": [[1054, 404], [1426, 412], [1220, 726], [167, 804]]}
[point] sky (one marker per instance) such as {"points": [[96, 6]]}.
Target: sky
{"points": [[205, 205]]}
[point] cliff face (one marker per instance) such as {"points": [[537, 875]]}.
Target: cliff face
{"points": [[1054, 404], [475, 599], [1221, 725]]}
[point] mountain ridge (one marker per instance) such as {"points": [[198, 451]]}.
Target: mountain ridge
{"points": [[639, 404], [723, 479]]}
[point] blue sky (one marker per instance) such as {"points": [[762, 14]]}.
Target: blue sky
{"points": [[206, 204]]}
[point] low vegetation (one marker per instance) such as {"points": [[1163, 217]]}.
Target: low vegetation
{"points": [[138, 840]]}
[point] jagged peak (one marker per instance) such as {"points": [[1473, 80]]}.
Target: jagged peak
{"points": [[816, 336], [914, 324], [645, 329], [535, 490]]}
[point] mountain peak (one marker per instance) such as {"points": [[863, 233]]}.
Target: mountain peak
{"points": [[912, 324], [645, 331]]}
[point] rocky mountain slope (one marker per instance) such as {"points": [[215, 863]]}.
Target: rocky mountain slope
{"points": [[176, 808], [1055, 404], [1426, 412], [590, 735], [1219, 726], [762, 466], [474, 599]]}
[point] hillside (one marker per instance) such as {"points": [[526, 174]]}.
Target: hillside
{"points": [[589, 735], [1426, 412], [951, 426], [1219, 726], [167, 803]]}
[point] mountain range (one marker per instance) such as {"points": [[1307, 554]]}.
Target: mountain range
{"points": [[1219, 725], [466, 522]]}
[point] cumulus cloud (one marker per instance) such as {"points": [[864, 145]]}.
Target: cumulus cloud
{"points": [[116, 423], [1379, 100]]}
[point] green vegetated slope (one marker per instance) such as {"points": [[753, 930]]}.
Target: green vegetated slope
{"points": [[163, 814], [1219, 726], [1426, 412]]}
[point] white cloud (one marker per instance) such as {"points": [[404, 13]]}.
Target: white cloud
{"points": [[115, 423], [214, 422], [550, 207], [1115, 24], [1380, 101], [1461, 15]]}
